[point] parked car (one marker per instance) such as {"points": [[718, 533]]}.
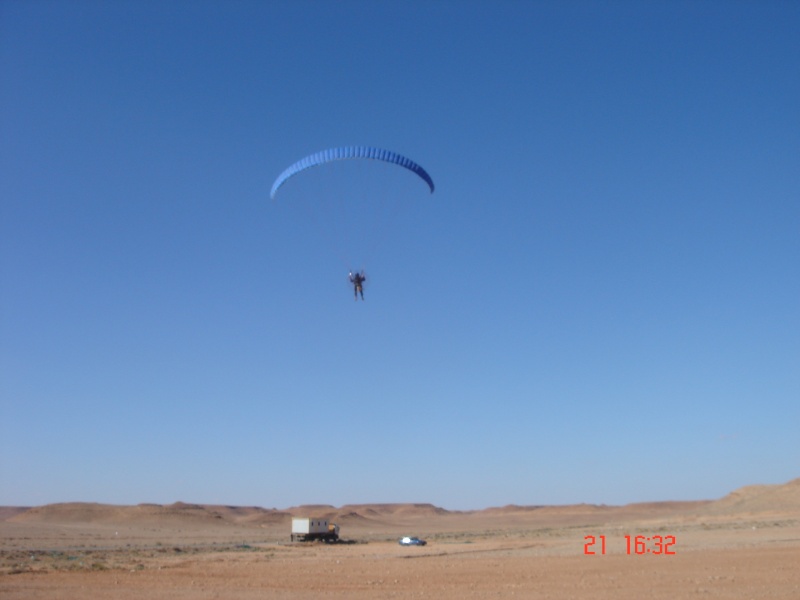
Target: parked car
{"points": [[412, 541]]}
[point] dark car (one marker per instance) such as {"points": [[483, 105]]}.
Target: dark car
{"points": [[412, 541]]}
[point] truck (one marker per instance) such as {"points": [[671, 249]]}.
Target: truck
{"points": [[309, 529]]}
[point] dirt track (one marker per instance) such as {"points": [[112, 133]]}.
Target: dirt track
{"points": [[377, 571]]}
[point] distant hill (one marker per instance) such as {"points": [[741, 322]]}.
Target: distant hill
{"points": [[755, 499], [760, 499], [6, 512], [86, 512]]}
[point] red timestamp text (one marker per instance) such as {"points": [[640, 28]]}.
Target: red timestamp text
{"points": [[634, 544]]}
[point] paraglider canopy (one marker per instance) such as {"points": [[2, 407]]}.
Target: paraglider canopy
{"points": [[350, 152], [355, 207]]}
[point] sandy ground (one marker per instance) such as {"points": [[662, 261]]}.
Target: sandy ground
{"points": [[720, 551]]}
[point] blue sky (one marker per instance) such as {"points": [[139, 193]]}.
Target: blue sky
{"points": [[599, 303]]}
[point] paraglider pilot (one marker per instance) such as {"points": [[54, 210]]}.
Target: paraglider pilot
{"points": [[357, 279]]}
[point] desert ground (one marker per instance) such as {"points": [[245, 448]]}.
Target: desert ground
{"points": [[743, 546]]}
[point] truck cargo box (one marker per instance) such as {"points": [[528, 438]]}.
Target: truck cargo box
{"points": [[305, 525], [307, 529]]}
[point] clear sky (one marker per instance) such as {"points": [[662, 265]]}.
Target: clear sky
{"points": [[599, 303]]}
